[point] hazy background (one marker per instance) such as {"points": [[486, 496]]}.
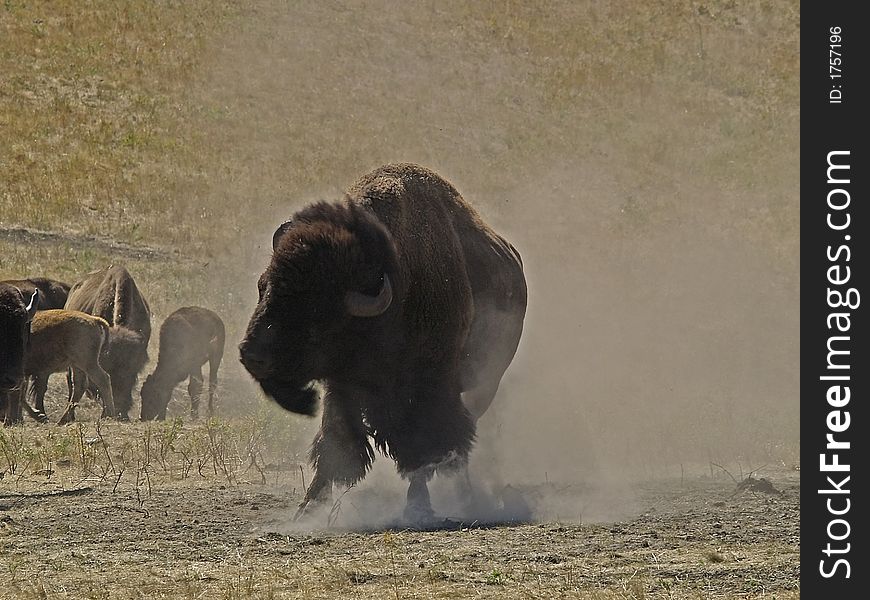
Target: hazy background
{"points": [[642, 156]]}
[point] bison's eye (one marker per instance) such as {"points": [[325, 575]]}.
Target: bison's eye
{"points": [[261, 287], [372, 283]]}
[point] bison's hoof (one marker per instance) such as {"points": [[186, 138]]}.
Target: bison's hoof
{"points": [[417, 514], [302, 511], [42, 417]]}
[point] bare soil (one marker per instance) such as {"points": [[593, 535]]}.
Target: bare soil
{"points": [[199, 538]]}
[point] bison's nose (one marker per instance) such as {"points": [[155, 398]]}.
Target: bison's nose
{"points": [[255, 358]]}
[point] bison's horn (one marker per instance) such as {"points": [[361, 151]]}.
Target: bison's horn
{"points": [[279, 232], [361, 305], [34, 303]]}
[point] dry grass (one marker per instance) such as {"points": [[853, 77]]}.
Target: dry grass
{"points": [[117, 454], [113, 126], [92, 116]]}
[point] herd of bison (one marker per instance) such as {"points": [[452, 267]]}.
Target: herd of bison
{"points": [[397, 310], [97, 331]]}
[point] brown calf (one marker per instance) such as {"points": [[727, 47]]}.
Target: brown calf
{"points": [[63, 339]]}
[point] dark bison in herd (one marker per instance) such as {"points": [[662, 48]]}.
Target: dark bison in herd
{"points": [[407, 308], [400, 303], [52, 294], [17, 310]]}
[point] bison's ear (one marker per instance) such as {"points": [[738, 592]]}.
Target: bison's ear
{"points": [[276, 237], [34, 303]]}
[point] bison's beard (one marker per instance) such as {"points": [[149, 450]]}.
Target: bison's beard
{"points": [[302, 400]]}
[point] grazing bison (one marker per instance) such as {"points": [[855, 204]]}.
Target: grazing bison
{"points": [[407, 308], [16, 313], [52, 293], [189, 337], [111, 293], [67, 339]]}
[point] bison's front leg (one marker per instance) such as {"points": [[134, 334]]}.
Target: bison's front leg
{"points": [[341, 452], [318, 494], [438, 437], [123, 383], [418, 507]]}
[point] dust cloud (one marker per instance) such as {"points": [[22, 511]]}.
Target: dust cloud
{"points": [[641, 159]]}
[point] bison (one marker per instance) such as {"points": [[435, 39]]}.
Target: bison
{"points": [[52, 293], [189, 337], [64, 339], [407, 308], [16, 313], [112, 294]]}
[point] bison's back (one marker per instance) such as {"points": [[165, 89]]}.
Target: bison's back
{"points": [[191, 330], [200, 319], [60, 338], [112, 294], [431, 223], [419, 209], [451, 260]]}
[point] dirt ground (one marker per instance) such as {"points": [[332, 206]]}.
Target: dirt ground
{"points": [[149, 534]]}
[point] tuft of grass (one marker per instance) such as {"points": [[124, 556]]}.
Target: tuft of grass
{"points": [[714, 556], [494, 577]]}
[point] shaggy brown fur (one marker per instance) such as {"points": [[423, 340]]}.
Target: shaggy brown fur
{"points": [[16, 313], [64, 339], [52, 293], [112, 294], [414, 377], [189, 337]]}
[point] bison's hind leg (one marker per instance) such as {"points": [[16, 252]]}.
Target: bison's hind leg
{"points": [[122, 393], [38, 388], [194, 390], [214, 363], [104, 384]]}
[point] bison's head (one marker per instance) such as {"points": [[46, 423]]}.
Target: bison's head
{"points": [[326, 291], [126, 350], [16, 312], [155, 399]]}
